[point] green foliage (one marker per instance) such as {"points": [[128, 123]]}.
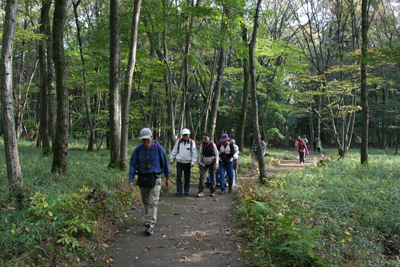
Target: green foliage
{"points": [[338, 214]]}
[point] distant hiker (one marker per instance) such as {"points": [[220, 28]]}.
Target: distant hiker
{"points": [[226, 151], [314, 144], [254, 159], [235, 161], [149, 162], [185, 154], [319, 147], [302, 149], [208, 160], [306, 143], [298, 140]]}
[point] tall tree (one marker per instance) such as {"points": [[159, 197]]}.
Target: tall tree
{"points": [[115, 84], [15, 181], [364, 91], [60, 144], [256, 126], [44, 130], [128, 85]]}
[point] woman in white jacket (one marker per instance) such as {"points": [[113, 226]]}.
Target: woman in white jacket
{"points": [[185, 154]]}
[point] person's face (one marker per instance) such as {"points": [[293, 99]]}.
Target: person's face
{"points": [[206, 139], [224, 143], [147, 142], [185, 137]]}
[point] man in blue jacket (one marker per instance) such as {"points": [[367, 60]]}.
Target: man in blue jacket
{"points": [[149, 162]]}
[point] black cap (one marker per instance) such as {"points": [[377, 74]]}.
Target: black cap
{"points": [[207, 134]]}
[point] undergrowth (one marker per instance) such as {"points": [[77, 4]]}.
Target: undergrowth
{"points": [[337, 214]]}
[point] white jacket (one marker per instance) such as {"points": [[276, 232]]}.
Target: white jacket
{"points": [[185, 155]]}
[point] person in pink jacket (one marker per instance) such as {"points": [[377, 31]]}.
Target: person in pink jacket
{"points": [[302, 149]]}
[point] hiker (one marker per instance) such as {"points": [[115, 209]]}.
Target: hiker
{"points": [[185, 154], [254, 159], [297, 143], [319, 147], [149, 162], [305, 142], [302, 149], [314, 144], [226, 151], [208, 160], [235, 161]]}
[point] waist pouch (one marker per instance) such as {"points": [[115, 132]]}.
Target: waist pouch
{"points": [[208, 160], [225, 160], [146, 179], [301, 150]]}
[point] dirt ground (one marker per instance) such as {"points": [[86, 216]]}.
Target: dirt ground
{"points": [[190, 231]]}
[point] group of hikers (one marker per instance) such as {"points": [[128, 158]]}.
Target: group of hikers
{"points": [[149, 162], [302, 148]]}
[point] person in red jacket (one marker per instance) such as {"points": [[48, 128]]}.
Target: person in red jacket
{"points": [[302, 149]]}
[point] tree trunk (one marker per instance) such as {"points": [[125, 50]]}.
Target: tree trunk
{"points": [[128, 85], [60, 143], [44, 130], [50, 82], [115, 83], [245, 98], [85, 89], [256, 128], [15, 182], [364, 92]]}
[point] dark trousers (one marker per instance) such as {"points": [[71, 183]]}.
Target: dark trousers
{"points": [[179, 168], [203, 171], [301, 154], [315, 148]]}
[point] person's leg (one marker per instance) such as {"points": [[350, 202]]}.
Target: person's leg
{"points": [[153, 197], [229, 171], [186, 169], [213, 178], [301, 155], [144, 193], [222, 176], [179, 168], [254, 165], [203, 170], [235, 168]]}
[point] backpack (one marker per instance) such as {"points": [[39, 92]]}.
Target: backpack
{"points": [[190, 142]]}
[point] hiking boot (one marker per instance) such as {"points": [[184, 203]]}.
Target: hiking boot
{"points": [[212, 194], [178, 194], [230, 190], [187, 193], [149, 230], [200, 194], [222, 192]]}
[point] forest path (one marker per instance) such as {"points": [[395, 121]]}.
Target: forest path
{"points": [[190, 231]]}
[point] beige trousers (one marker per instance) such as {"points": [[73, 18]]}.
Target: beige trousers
{"points": [[254, 165], [150, 197]]}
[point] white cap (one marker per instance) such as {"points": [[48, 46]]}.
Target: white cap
{"points": [[185, 131], [145, 133], [233, 141]]}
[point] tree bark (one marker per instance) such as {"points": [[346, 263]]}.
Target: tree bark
{"points": [[60, 143], [50, 82], [256, 128], [44, 130], [15, 181], [128, 85], [115, 84], [364, 91], [245, 95]]}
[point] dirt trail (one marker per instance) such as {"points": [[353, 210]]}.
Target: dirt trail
{"points": [[190, 230]]}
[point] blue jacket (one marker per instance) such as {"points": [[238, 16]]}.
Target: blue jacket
{"points": [[141, 155]]}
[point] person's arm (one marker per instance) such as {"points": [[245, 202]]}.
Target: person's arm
{"points": [[306, 148], [232, 152], [132, 167], [174, 151], [216, 153], [194, 154], [164, 162]]}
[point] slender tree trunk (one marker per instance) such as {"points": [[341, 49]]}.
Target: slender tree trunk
{"points": [[60, 143], [128, 85], [50, 82], [245, 95], [364, 91], [115, 83], [15, 182], [217, 95], [256, 128], [85, 89], [44, 131]]}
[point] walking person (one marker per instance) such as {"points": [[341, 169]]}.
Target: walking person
{"points": [[254, 153], [235, 161], [319, 146], [149, 162], [208, 160], [298, 140], [314, 144], [302, 151], [185, 154], [226, 151], [305, 142]]}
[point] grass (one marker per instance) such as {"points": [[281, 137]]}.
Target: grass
{"points": [[62, 214], [337, 214]]}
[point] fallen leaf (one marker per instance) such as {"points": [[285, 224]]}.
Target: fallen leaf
{"points": [[184, 257], [148, 247]]}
